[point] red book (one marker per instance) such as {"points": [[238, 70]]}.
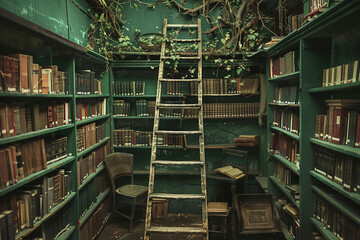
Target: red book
{"points": [[357, 136], [338, 125], [276, 67]]}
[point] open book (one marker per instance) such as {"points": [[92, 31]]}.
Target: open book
{"points": [[230, 171]]}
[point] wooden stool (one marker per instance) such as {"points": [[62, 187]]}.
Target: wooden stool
{"points": [[219, 225]]}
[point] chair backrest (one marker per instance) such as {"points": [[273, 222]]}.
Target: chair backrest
{"points": [[119, 165]]}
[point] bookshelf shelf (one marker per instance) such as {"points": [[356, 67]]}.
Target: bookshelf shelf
{"points": [[37, 175], [237, 117], [27, 231], [343, 87], [92, 119], [284, 105], [33, 95], [107, 218], [337, 187], [146, 96], [213, 146], [65, 235], [91, 210], [285, 232], [284, 190], [355, 152], [33, 134], [338, 202], [91, 176], [287, 163], [82, 153], [325, 232], [290, 134], [225, 95], [210, 174], [92, 95], [145, 117], [286, 77], [145, 147]]}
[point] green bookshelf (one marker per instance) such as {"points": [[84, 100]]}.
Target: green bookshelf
{"points": [[284, 190], [81, 96], [337, 88], [290, 134], [66, 235], [92, 119], [35, 96], [91, 176], [325, 232], [93, 147], [286, 77], [287, 163], [355, 152]]}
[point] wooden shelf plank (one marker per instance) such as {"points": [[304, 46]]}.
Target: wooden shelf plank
{"points": [[92, 95], [225, 94], [286, 77], [146, 96], [145, 117], [91, 176], [144, 147], [92, 147], [33, 134], [37, 175], [349, 86], [352, 151], [65, 235], [55, 209], [284, 190], [287, 163], [92, 119], [92, 209], [33, 95], [338, 202], [290, 134], [337, 187], [263, 182], [284, 105], [325, 232]]}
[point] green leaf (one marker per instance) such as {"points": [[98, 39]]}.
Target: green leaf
{"points": [[152, 67], [238, 71], [227, 76]]}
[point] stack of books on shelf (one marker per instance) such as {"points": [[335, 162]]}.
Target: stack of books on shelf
{"points": [[223, 86], [287, 119], [341, 123], [129, 137], [340, 168], [19, 118], [90, 108], [286, 64], [88, 164], [121, 108], [86, 83], [171, 112], [334, 220], [90, 193], [342, 74], [173, 88], [89, 135], [289, 216], [247, 141], [286, 176], [94, 224], [295, 191], [56, 149], [284, 146], [274, 40], [21, 75], [295, 21], [31, 203], [286, 95], [56, 225], [145, 108], [128, 88], [245, 109]]}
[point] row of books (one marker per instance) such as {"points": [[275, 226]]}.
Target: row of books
{"points": [[283, 65], [19, 118], [341, 123], [87, 165], [173, 88], [31, 203], [342, 74], [287, 119], [7, 230], [286, 95], [90, 108], [86, 83], [295, 21], [289, 216], [89, 135], [130, 137], [285, 146], [20, 74], [334, 220], [90, 193], [340, 168], [56, 225], [122, 108], [147, 108], [227, 86], [288, 179], [55, 149], [247, 141], [128, 88], [94, 224], [245, 109]]}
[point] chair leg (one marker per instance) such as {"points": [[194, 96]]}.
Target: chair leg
{"points": [[133, 206]]}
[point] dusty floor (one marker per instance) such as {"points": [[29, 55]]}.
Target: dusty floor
{"points": [[117, 229]]}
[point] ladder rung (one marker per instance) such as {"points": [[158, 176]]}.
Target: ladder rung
{"points": [[193, 230], [182, 25], [182, 58], [179, 80], [186, 40], [177, 196], [178, 132], [178, 106], [177, 163]]}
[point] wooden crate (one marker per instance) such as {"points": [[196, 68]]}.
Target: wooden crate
{"points": [[160, 208]]}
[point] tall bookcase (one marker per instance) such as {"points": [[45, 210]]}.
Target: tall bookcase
{"points": [[327, 41], [48, 49]]}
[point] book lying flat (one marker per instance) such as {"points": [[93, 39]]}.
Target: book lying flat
{"points": [[217, 207], [230, 171]]}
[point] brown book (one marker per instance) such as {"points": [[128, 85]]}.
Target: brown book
{"points": [[36, 155], [2, 89], [10, 119], [40, 78], [23, 72], [36, 117], [28, 119], [30, 72], [17, 119], [23, 128], [4, 177], [43, 116], [46, 80], [26, 158], [7, 74], [231, 172], [14, 69], [50, 120], [3, 121], [35, 78]]}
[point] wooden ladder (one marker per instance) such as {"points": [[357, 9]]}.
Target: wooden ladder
{"points": [[203, 229]]}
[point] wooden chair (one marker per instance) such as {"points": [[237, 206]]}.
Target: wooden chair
{"points": [[120, 165]]}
